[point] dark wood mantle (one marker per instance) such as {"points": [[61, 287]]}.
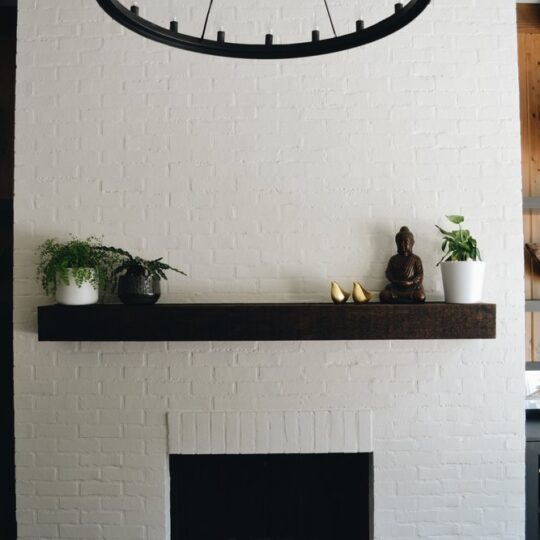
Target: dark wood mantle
{"points": [[265, 322]]}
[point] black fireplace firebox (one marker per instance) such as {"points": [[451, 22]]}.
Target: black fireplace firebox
{"points": [[272, 497]]}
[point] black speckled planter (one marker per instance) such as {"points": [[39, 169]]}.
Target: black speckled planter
{"points": [[140, 290]]}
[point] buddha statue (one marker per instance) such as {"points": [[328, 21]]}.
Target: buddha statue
{"points": [[405, 273]]}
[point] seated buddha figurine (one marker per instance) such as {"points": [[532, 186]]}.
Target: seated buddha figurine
{"points": [[405, 273]]}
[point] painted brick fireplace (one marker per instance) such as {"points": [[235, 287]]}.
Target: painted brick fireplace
{"points": [[264, 181], [278, 475]]}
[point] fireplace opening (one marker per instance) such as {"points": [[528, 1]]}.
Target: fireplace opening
{"points": [[272, 497]]}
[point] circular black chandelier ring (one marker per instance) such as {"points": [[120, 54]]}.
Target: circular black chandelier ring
{"points": [[403, 15]]}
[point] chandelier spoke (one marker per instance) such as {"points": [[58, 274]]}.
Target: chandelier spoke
{"points": [[207, 17], [330, 17]]}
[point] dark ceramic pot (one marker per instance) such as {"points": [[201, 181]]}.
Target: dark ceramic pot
{"points": [[134, 289]]}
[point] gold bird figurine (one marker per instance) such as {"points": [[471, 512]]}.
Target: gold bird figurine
{"points": [[339, 296], [360, 295]]}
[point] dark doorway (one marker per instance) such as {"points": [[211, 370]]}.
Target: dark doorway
{"points": [[272, 497], [8, 40]]}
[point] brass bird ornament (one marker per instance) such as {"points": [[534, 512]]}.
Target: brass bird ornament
{"points": [[360, 295], [339, 296]]}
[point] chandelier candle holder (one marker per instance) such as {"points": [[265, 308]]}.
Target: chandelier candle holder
{"points": [[132, 19]]}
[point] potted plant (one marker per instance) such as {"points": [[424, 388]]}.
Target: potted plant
{"points": [[74, 271], [139, 279], [461, 265]]}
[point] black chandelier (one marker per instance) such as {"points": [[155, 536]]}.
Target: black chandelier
{"points": [[131, 18]]}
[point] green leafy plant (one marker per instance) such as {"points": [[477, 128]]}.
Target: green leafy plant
{"points": [[128, 264], [82, 258], [458, 245]]}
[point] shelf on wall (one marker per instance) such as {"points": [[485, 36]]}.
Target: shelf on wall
{"points": [[266, 322], [531, 203], [532, 366], [532, 306]]}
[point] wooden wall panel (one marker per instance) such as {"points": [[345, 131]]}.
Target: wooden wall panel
{"points": [[528, 18], [528, 338], [529, 80]]}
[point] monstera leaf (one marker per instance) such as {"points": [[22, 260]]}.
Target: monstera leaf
{"points": [[458, 245]]}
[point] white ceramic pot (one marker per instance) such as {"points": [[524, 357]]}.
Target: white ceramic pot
{"points": [[463, 281], [73, 295]]}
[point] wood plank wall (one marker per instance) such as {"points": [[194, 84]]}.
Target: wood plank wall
{"points": [[528, 18]]}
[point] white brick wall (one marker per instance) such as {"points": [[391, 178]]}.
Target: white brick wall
{"points": [[264, 181], [275, 432]]}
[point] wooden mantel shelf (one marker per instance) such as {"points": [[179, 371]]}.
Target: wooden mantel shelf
{"points": [[265, 322]]}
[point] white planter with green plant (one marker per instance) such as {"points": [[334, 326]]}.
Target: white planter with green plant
{"points": [[461, 265], [73, 271], [77, 287]]}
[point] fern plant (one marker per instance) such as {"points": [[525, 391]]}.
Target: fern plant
{"points": [[84, 260], [137, 266], [458, 245]]}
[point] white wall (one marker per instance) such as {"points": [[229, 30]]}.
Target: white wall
{"points": [[264, 181]]}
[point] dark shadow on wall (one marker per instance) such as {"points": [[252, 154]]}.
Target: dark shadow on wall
{"points": [[8, 25]]}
